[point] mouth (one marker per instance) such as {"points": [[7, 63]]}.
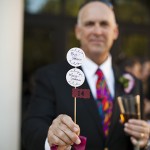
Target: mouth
{"points": [[97, 42]]}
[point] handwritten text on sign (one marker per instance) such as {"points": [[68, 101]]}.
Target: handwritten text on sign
{"points": [[75, 57], [75, 77]]}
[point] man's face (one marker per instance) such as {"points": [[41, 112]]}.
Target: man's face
{"points": [[96, 29], [136, 70]]}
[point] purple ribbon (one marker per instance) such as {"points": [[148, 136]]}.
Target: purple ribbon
{"points": [[80, 146]]}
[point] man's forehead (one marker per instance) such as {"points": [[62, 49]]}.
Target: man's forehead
{"points": [[96, 4], [96, 11], [109, 4]]}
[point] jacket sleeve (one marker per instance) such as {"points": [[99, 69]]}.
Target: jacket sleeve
{"points": [[40, 114]]}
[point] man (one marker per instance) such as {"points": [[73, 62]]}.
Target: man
{"points": [[50, 115]]}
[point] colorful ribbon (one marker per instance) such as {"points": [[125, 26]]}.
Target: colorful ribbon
{"points": [[80, 146]]}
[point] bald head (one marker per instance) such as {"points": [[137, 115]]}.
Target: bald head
{"points": [[96, 30], [95, 5]]}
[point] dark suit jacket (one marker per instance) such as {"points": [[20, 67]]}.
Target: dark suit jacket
{"points": [[53, 96]]}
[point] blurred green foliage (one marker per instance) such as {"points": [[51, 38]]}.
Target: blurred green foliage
{"points": [[136, 45], [133, 12]]}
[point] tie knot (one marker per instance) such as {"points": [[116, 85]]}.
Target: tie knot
{"points": [[99, 73]]}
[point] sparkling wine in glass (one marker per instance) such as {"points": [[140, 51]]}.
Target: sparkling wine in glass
{"points": [[130, 108]]}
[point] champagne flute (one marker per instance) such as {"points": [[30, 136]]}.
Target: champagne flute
{"points": [[130, 108]]}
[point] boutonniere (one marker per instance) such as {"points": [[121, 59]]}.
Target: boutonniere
{"points": [[127, 81]]}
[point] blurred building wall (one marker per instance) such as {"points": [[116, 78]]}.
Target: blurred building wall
{"points": [[11, 22]]}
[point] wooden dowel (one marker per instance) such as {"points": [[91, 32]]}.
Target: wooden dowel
{"points": [[138, 106], [75, 109], [120, 105]]}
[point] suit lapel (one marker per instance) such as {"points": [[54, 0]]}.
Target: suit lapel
{"points": [[116, 111]]}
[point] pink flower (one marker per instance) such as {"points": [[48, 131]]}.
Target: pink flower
{"points": [[128, 82]]}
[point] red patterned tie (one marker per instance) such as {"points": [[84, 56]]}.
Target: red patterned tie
{"points": [[104, 101]]}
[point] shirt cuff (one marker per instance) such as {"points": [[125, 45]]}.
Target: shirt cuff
{"points": [[47, 147]]}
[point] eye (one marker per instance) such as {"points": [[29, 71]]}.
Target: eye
{"points": [[104, 23], [89, 24]]}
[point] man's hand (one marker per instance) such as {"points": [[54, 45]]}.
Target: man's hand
{"points": [[63, 132], [64, 148], [139, 131]]}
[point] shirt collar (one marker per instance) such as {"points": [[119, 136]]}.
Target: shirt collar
{"points": [[90, 67], [106, 67]]}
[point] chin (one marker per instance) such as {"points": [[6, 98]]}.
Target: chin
{"points": [[95, 54], [97, 50]]}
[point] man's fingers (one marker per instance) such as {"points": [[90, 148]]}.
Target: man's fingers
{"points": [[56, 131], [73, 137], [137, 134], [132, 132], [64, 147], [63, 136], [138, 122], [63, 131], [134, 141], [54, 140], [138, 130], [69, 123]]}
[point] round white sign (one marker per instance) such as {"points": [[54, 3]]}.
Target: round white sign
{"points": [[75, 77], [75, 57]]}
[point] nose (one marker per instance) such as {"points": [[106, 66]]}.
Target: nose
{"points": [[97, 29]]}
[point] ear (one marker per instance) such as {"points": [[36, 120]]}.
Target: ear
{"points": [[116, 32], [78, 32]]}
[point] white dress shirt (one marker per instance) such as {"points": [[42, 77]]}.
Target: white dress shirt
{"points": [[90, 68]]}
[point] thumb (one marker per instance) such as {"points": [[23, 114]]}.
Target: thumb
{"points": [[134, 141], [67, 147]]}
